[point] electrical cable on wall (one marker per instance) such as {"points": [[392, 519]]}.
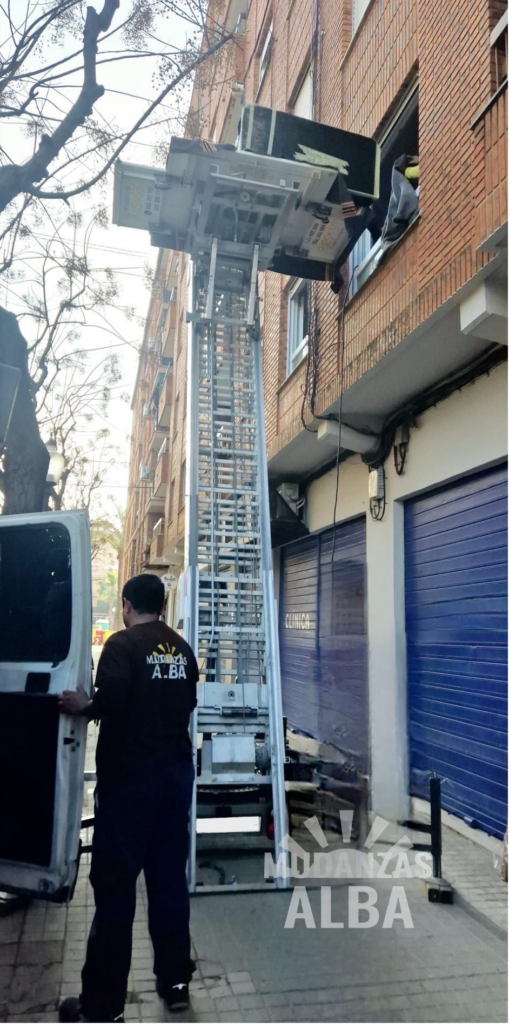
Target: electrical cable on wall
{"points": [[340, 402], [311, 378]]}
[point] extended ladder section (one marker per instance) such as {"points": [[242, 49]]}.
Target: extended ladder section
{"points": [[230, 608]]}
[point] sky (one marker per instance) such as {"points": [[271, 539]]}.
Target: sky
{"points": [[128, 84]]}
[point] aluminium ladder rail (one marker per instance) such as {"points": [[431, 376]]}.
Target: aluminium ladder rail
{"points": [[230, 612]]}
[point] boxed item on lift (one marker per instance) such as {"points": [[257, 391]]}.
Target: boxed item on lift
{"points": [[355, 158]]}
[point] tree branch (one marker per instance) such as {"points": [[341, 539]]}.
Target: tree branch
{"points": [[41, 194], [16, 179]]}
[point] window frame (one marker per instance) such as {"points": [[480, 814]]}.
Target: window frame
{"points": [[265, 53], [296, 355], [499, 40], [372, 255]]}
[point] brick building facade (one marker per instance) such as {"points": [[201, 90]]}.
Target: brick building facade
{"points": [[390, 356]]}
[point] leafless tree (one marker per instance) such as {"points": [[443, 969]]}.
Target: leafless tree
{"points": [[50, 59], [63, 296]]}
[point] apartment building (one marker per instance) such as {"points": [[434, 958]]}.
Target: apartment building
{"points": [[385, 401]]}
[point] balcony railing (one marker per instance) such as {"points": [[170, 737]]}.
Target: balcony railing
{"points": [[157, 545], [164, 407], [161, 473], [155, 502], [168, 334]]}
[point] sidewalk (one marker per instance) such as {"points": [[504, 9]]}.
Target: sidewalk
{"points": [[475, 878], [448, 967]]}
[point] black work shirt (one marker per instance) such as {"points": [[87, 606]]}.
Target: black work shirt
{"points": [[145, 693]]}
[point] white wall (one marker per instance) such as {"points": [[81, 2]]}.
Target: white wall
{"points": [[465, 433]]}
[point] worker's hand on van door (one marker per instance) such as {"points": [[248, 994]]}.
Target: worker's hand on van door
{"points": [[73, 702]]}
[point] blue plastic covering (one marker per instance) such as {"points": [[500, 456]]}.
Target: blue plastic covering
{"points": [[323, 639], [456, 622]]}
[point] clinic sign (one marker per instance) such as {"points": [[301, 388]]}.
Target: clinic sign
{"points": [[297, 620]]}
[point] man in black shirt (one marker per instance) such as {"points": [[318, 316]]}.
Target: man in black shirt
{"points": [[145, 693]]}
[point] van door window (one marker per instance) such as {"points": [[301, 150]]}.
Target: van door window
{"points": [[35, 593]]}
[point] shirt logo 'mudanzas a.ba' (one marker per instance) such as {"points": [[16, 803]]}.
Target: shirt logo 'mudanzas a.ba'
{"points": [[167, 663]]}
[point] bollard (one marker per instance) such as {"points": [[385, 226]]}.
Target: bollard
{"points": [[439, 891], [436, 824]]}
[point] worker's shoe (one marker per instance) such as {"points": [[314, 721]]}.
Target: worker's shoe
{"points": [[70, 1012], [176, 996]]}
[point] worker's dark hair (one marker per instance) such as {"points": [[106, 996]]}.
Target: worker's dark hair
{"points": [[146, 594]]}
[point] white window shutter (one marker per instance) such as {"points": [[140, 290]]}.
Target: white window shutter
{"points": [[358, 8], [303, 106]]}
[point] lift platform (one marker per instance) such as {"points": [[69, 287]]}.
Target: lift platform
{"points": [[235, 213]]}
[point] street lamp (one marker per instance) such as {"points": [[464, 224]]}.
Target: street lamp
{"points": [[56, 463]]}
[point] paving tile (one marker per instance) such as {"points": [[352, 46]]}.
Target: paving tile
{"points": [[243, 988], [227, 1003], [40, 952]]}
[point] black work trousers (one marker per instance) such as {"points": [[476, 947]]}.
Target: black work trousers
{"points": [[141, 824]]}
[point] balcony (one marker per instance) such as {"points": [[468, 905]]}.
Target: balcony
{"points": [[164, 407], [168, 334], [159, 435], [161, 471], [173, 275], [157, 544], [155, 503]]}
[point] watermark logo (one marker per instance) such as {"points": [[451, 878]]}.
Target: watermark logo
{"points": [[351, 864]]}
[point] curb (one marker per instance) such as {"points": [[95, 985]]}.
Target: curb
{"points": [[464, 904]]}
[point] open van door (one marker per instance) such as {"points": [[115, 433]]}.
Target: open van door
{"points": [[45, 647]]}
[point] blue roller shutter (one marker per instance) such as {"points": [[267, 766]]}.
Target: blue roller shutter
{"points": [[323, 638], [298, 634], [456, 622]]}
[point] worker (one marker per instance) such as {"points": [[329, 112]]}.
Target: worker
{"points": [[145, 693]]}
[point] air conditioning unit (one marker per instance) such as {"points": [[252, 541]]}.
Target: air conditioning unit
{"points": [[151, 347], [144, 472], [145, 413]]}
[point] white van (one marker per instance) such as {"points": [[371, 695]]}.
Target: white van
{"points": [[45, 647]]}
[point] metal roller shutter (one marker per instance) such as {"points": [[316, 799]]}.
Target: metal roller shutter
{"points": [[323, 639], [456, 622]]}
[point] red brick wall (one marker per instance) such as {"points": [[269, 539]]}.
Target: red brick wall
{"points": [[358, 85], [463, 173], [174, 518]]}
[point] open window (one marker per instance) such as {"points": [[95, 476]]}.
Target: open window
{"points": [[298, 324], [400, 137]]}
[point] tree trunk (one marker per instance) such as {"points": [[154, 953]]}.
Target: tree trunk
{"points": [[26, 458]]}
